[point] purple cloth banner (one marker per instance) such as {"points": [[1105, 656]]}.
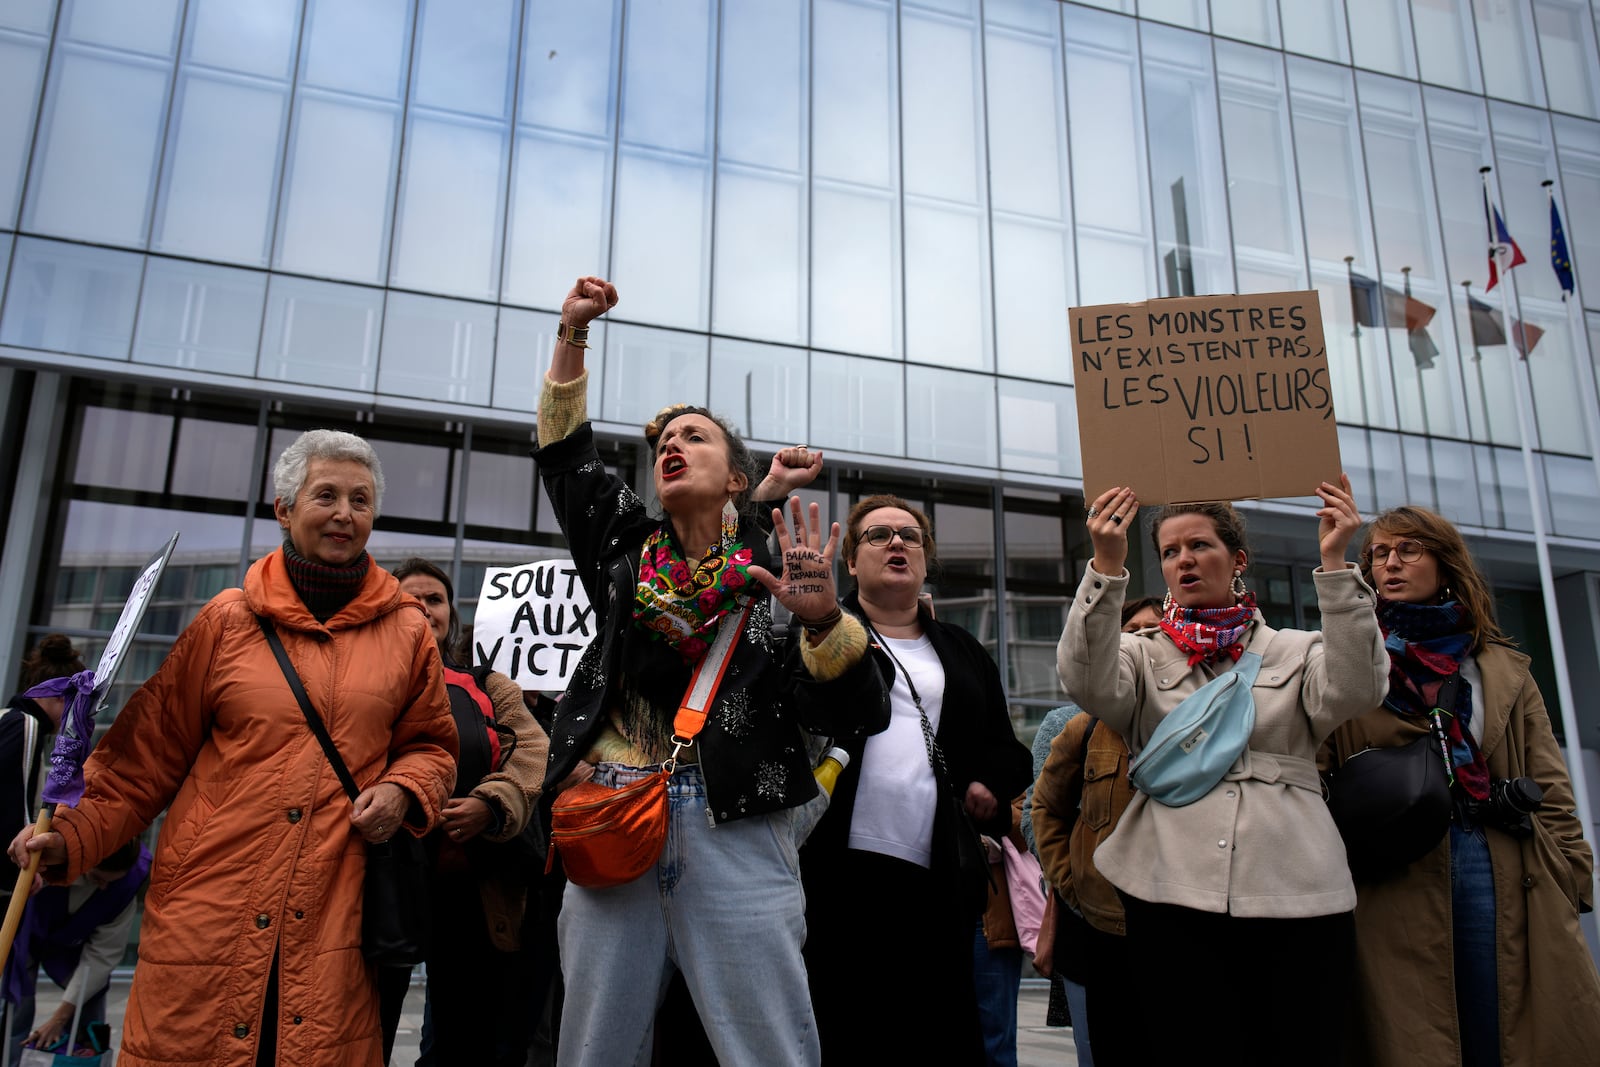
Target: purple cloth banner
{"points": [[65, 782]]}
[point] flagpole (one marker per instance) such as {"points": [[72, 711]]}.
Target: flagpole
{"points": [[1552, 613], [1422, 390], [1483, 391]]}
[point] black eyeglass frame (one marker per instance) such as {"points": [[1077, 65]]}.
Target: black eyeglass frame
{"points": [[879, 535]]}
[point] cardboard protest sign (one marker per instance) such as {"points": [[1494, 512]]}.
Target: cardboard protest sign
{"points": [[533, 622], [1205, 397]]}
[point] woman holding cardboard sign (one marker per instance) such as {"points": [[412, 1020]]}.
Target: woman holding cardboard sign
{"points": [[1234, 885], [685, 694]]}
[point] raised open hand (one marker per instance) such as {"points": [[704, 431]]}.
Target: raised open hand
{"points": [[807, 587], [1108, 520], [1338, 521]]}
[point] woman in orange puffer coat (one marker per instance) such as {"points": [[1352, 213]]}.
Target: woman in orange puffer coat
{"points": [[250, 951]]}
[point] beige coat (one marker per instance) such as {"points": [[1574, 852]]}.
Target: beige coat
{"points": [[1550, 995], [1261, 844]]}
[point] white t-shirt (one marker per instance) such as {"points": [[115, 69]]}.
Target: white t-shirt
{"points": [[895, 800]]}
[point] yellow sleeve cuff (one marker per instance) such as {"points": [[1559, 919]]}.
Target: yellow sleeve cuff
{"points": [[842, 649], [563, 407]]}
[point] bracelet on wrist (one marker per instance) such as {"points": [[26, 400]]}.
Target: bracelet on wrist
{"points": [[576, 336], [816, 627]]}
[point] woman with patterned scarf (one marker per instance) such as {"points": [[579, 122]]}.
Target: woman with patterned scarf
{"points": [[1471, 954], [1241, 898], [723, 904]]}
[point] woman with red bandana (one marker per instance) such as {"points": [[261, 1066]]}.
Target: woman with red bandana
{"points": [[723, 904], [1241, 897], [1491, 912]]}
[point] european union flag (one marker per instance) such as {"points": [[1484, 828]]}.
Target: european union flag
{"points": [[1560, 258]]}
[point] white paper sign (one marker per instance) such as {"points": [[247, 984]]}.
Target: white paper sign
{"points": [[105, 672], [533, 623]]}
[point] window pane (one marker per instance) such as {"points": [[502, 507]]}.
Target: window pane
{"points": [[762, 91], [947, 286], [524, 343], [200, 317], [1033, 289], [1111, 193], [321, 332], [1191, 212], [569, 72], [857, 405], [950, 417], [448, 237], [762, 388], [1578, 145], [854, 131], [1315, 28], [214, 459], [221, 180], [1262, 190], [415, 477], [254, 38], [1567, 50], [1249, 20], [645, 370], [1380, 36], [560, 223], [22, 60], [149, 27], [358, 46], [1505, 28], [1190, 13], [71, 298], [760, 276], [499, 490], [463, 57], [339, 189], [666, 77], [1447, 49], [1039, 429], [98, 141], [122, 449], [32, 16], [437, 349], [854, 250], [662, 246]]}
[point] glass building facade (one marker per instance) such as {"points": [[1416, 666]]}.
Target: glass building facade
{"points": [[853, 223]]}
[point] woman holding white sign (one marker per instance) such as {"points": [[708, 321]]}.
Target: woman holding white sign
{"points": [[1234, 885], [685, 695]]}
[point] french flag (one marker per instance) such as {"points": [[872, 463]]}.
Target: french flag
{"points": [[1503, 251]]}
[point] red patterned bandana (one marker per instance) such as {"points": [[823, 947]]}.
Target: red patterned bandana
{"points": [[1206, 633], [680, 606]]}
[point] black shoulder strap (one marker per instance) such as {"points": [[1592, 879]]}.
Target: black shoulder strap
{"points": [[312, 718]]}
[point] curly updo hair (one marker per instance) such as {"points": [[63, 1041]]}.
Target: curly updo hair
{"points": [[740, 458], [52, 657]]}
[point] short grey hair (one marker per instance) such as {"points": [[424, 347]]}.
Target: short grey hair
{"points": [[289, 473]]}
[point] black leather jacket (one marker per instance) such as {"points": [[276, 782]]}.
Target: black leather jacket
{"points": [[753, 748]]}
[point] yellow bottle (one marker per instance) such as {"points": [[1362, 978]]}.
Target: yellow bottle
{"points": [[834, 761]]}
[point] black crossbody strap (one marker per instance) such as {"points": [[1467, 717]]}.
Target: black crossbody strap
{"points": [[312, 718]]}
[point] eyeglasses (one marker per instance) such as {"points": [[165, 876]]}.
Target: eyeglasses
{"points": [[882, 535], [1408, 550]]}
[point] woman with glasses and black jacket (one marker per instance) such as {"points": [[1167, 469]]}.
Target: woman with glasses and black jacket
{"points": [[881, 869], [1472, 953]]}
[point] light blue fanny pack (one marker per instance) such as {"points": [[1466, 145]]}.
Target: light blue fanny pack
{"points": [[1200, 739]]}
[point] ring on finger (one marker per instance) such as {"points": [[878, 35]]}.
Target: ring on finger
{"points": [[1092, 512], [1117, 519]]}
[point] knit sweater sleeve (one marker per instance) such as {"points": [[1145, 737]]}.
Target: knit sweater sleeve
{"points": [[563, 407]]}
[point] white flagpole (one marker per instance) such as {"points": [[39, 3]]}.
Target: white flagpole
{"points": [[1552, 612]]}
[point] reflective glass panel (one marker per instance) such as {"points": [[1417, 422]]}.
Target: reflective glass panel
{"points": [[123, 449], [357, 46], [855, 250], [1457, 480], [437, 349], [220, 184], [1315, 28], [762, 388], [150, 27], [1262, 188], [254, 38], [1578, 146], [463, 57], [71, 298], [1567, 53], [1191, 207], [499, 489], [95, 162], [857, 405], [1447, 47], [22, 60], [950, 417], [416, 477], [200, 317], [321, 332], [1380, 36], [447, 239], [1190, 13], [1248, 20], [559, 225], [1506, 29], [666, 76], [339, 188], [1110, 188], [646, 369], [213, 461], [1039, 429], [854, 130], [524, 343], [661, 239], [31, 16]]}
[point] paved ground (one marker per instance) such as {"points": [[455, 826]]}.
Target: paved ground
{"points": [[1038, 1045]]}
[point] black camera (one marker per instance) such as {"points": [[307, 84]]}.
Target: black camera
{"points": [[1509, 806]]}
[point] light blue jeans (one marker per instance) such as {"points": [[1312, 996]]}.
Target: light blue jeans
{"points": [[724, 906]]}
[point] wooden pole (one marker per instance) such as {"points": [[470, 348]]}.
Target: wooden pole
{"points": [[19, 897]]}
